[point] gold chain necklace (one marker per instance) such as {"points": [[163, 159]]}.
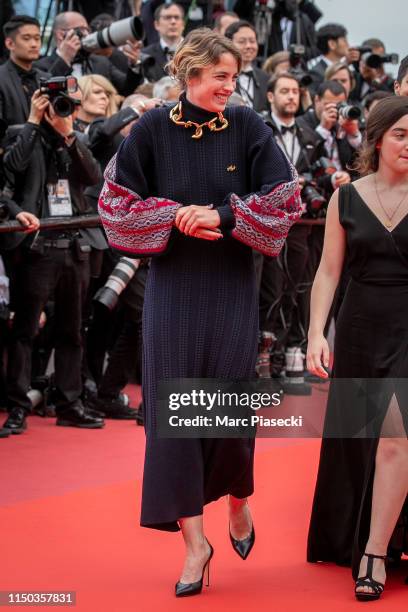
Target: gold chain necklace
{"points": [[388, 223], [176, 115]]}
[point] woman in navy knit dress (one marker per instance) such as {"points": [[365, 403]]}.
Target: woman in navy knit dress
{"points": [[199, 188]]}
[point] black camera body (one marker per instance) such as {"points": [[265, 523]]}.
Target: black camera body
{"points": [[348, 111], [58, 90], [315, 202], [373, 60], [296, 61]]}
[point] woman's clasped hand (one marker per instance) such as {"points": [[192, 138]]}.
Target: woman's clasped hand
{"points": [[199, 222]]}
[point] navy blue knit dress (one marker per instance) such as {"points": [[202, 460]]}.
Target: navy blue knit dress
{"points": [[201, 306]]}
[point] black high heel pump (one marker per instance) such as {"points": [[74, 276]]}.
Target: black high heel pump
{"points": [[243, 547], [185, 589]]}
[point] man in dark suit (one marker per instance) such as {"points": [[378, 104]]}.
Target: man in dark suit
{"points": [[68, 58], [283, 279], [252, 81], [47, 169], [18, 78], [169, 23], [341, 137], [334, 47], [281, 23]]}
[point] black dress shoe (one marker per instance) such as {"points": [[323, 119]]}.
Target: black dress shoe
{"points": [[17, 421], [186, 589], [4, 433], [243, 547], [114, 408], [78, 416]]}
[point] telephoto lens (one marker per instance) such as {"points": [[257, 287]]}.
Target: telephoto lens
{"points": [[114, 35], [348, 111], [122, 274]]}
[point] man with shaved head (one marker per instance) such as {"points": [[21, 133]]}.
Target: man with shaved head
{"points": [[67, 58]]}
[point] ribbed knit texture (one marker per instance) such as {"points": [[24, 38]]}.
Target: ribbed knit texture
{"points": [[201, 307]]}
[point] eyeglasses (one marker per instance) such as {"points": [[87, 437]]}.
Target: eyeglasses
{"points": [[169, 17]]}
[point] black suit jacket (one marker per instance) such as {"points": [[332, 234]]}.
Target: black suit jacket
{"points": [[26, 167], [260, 90], [347, 153], [125, 82], [156, 71], [14, 106], [311, 144]]}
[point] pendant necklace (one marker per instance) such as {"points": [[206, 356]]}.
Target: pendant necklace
{"points": [[389, 218], [176, 115]]}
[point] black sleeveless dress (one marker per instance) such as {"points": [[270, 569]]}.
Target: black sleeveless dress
{"points": [[371, 343]]}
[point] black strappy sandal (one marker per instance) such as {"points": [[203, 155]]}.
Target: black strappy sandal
{"points": [[368, 581]]}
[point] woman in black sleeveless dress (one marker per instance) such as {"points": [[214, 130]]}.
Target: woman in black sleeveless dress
{"points": [[197, 189], [362, 484]]}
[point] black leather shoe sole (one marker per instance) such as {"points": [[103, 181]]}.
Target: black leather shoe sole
{"points": [[68, 423], [15, 430]]}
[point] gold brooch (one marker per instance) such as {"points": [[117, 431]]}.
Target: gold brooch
{"points": [[231, 168], [176, 116]]}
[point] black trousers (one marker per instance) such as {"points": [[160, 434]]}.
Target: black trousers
{"points": [[56, 274], [283, 281], [126, 355]]}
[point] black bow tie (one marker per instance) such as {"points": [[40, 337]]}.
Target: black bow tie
{"points": [[248, 73], [288, 128], [168, 53]]}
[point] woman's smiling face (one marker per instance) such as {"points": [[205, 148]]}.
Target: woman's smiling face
{"points": [[211, 89]]}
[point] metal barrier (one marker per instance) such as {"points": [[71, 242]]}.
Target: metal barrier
{"points": [[83, 221]]}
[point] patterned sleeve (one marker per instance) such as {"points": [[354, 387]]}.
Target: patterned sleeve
{"points": [[264, 217], [135, 223]]}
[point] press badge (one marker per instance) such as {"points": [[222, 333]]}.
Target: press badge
{"points": [[59, 199]]}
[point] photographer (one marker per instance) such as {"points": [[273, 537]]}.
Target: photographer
{"points": [[341, 135], [252, 82], [68, 57], [18, 77], [370, 71], [278, 21], [47, 169], [283, 278], [334, 47]]}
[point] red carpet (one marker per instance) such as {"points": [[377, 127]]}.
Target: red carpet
{"points": [[69, 506]]}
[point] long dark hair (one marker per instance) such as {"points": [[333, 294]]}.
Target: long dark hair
{"points": [[383, 116]]}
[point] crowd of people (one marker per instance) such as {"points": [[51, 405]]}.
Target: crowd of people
{"points": [[72, 292], [314, 93]]}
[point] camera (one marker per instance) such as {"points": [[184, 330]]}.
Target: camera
{"points": [[58, 90], [373, 60], [122, 274], [114, 35], [315, 202], [348, 111], [296, 59]]}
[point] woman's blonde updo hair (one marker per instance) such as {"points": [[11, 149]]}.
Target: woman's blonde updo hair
{"points": [[200, 48], [86, 83], [380, 119]]}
